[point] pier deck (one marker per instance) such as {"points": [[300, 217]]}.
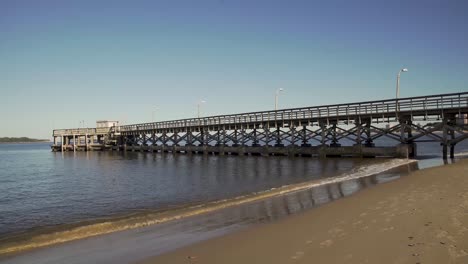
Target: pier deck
{"points": [[309, 131]]}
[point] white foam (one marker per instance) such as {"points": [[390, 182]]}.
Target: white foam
{"points": [[360, 172], [461, 154]]}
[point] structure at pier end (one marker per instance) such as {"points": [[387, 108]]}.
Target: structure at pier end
{"points": [[84, 139], [390, 128]]}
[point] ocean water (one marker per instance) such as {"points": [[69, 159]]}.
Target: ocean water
{"points": [[48, 197], [41, 188]]}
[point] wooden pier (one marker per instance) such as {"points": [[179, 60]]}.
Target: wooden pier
{"points": [[306, 131]]}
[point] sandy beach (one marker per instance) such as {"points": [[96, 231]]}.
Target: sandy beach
{"points": [[420, 218]]}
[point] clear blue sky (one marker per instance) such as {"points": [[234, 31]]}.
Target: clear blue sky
{"points": [[66, 61]]}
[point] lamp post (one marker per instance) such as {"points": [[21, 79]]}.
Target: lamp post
{"points": [[276, 97], [198, 107], [398, 81]]}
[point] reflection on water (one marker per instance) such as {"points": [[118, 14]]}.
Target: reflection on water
{"points": [[42, 188], [291, 203]]}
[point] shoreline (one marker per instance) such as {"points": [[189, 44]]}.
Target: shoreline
{"points": [[25, 242], [26, 142], [419, 218]]}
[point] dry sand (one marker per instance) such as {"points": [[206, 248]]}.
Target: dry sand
{"points": [[421, 218]]}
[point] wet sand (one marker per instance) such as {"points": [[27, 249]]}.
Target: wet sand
{"points": [[421, 218]]}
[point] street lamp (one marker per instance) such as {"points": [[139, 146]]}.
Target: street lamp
{"points": [[398, 82], [198, 106], [276, 97]]}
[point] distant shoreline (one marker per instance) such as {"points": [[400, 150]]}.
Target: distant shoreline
{"points": [[6, 140], [25, 142]]}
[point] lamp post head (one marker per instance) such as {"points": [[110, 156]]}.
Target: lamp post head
{"points": [[404, 70], [280, 89]]}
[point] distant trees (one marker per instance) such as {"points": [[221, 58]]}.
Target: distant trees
{"points": [[20, 140]]}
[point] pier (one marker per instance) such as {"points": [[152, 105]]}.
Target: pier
{"points": [[307, 131]]}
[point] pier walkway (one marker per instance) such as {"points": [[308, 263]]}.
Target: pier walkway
{"points": [[307, 131]]}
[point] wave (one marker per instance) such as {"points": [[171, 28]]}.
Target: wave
{"points": [[461, 155], [66, 233]]}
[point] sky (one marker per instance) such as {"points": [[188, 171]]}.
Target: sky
{"points": [[63, 62]]}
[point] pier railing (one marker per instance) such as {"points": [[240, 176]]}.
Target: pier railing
{"points": [[421, 105], [74, 131]]}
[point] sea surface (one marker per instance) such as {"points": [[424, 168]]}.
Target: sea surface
{"points": [[47, 198]]}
